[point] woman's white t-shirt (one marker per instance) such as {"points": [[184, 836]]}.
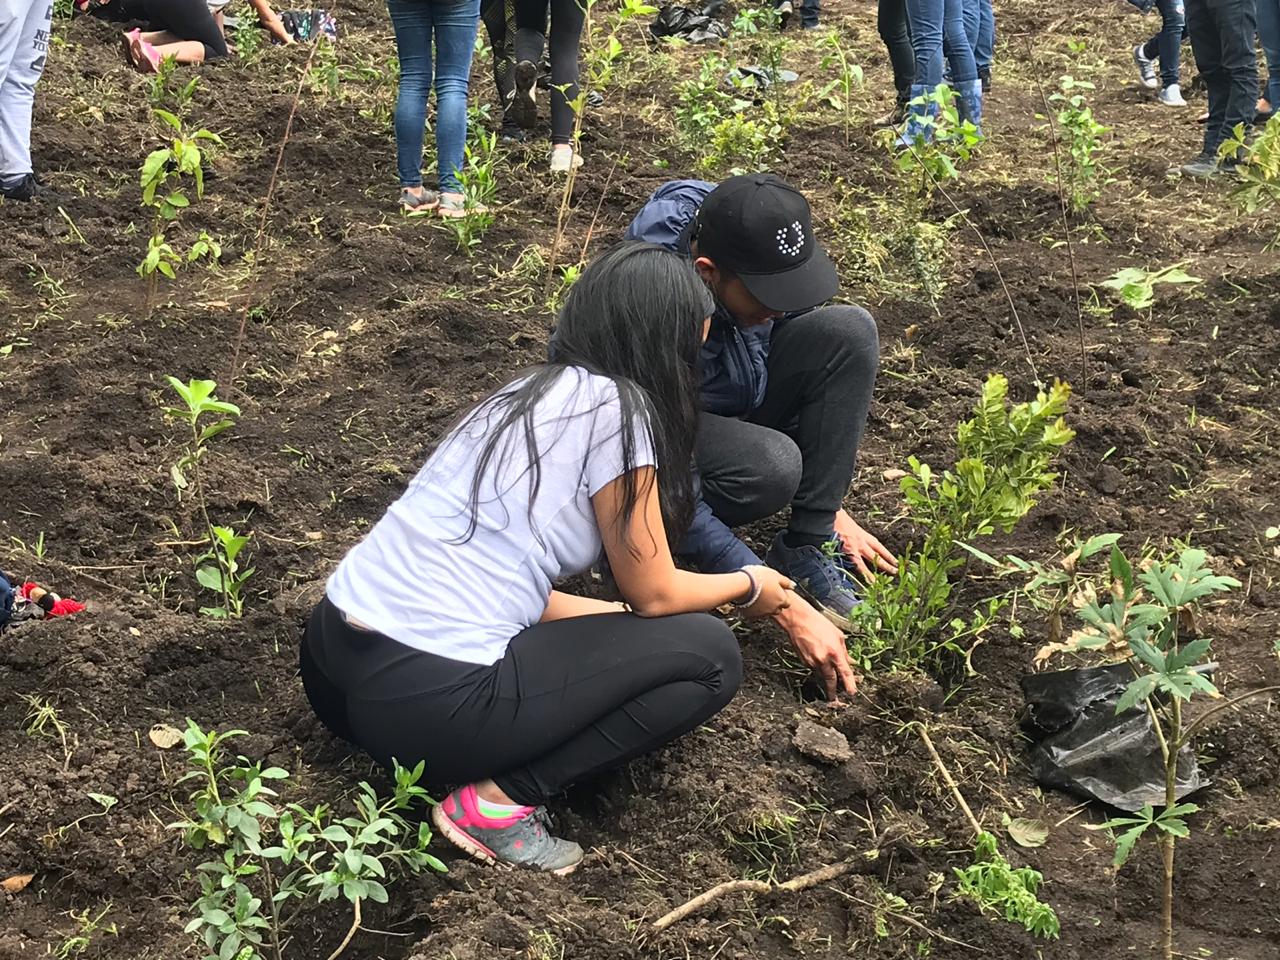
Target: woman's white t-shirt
{"points": [[415, 579]]}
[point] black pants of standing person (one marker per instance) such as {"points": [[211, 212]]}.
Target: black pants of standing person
{"points": [[799, 446], [500, 23], [891, 22], [1222, 33], [188, 20], [567, 18], [570, 698]]}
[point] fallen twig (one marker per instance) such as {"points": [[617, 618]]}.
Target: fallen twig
{"points": [[910, 921], [762, 887], [946, 775]]}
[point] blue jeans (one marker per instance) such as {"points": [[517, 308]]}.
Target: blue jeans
{"points": [[1167, 44], [453, 24], [980, 28], [937, 27], [1269, 34]]}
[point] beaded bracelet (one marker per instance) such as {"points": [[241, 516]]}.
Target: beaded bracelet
{"points": [[755, 591]]}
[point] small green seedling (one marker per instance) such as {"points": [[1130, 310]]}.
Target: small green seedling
{"points": [[943, 142], [270, 862], [87, 925], [1136, 287], [206, 416], [848, 78], [998, 888], [1084, 174]]}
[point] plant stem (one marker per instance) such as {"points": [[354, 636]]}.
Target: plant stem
{"points": [[224, 574], [275, 909], [1168, 840], [355, 925], [946, 775], [1195, 724]]}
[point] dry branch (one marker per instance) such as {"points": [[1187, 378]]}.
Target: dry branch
{"points": [[764, 888]]}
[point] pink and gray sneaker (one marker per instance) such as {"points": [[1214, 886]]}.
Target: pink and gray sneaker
{"points": [[521, 839]]}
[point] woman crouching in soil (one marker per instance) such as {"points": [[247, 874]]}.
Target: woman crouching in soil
{"points": [[190, 31], [441, 639]]}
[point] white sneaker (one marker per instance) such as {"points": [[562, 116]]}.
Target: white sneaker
{"points": [[1146, 69], [564, 158], [1171, 96]]}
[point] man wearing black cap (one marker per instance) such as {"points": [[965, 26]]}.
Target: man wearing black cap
{"points": [[786, 385]]}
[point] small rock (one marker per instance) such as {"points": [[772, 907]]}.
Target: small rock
{"points": [[821, 743], [1109, 479]]}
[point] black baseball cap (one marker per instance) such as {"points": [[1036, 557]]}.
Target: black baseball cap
{"points": [[759, 227]]}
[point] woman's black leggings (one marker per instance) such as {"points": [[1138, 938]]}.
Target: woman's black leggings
{"points": [[567, 18], [188, 20], [570, 698], [500, 23], [895, 31]]}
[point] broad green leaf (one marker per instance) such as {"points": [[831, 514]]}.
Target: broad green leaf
{"points": [[1137, 692]]}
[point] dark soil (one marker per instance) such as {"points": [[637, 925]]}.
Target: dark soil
{"points": [[368, 333]]}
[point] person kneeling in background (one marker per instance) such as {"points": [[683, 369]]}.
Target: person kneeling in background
{"points": [[441, 638], [190, 31]]}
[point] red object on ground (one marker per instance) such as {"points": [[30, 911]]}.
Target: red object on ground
{"points": [[60, 606]]}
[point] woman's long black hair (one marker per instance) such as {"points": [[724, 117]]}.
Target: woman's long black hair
{"points": [[635, 316]]}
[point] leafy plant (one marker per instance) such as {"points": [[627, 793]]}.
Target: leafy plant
{"points": [[166, 90], [1144, 616], [1005, 455], [87, 924], [943, 143], [223, 574], [163, 182], [479, 187], [269, 863], [206, 416], [998, 888], [1136, 287], [848, 77], [739, 145], [1258, 168], [247, 40], [325, 76], [1083, 176]]}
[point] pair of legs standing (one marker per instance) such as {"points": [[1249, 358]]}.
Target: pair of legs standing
{"points": [[24, 48], [1166, 46], [569, 699], [980, 28], [451, 26], [938, 30], [1222, 38], [564, 39]]}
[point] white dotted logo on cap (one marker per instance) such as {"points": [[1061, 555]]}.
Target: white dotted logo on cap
{"points": [[783, 236]]}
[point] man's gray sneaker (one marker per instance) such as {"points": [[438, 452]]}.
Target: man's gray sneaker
{"points": [[1203, 166], [522, 839]]}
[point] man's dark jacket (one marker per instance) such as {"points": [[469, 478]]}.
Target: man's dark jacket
{"points": [[734, 364]]}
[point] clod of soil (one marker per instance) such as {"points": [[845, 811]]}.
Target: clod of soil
{"points": [[821, 743]]}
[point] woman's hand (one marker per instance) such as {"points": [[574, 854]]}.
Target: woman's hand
{"points": [[775, 592]]}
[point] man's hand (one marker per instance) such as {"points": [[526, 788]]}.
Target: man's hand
{"points": [[861, 548], [820, 644]]}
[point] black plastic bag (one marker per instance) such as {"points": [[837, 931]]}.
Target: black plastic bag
{"points": [[1083, 747], [693, 24]]}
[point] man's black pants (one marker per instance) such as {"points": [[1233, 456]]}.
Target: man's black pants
{"points": [[799, 446], [1222, 34]]}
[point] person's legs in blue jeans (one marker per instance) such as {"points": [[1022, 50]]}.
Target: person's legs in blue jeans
{"points": [[455, 33], [1170, 40], [984, 51], [412, 22], [955, 44], [972, 20], [925, 18], [1269, 34]]}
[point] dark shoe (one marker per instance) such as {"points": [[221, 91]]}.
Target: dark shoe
{"points": [[894, 117], [595, 99], [820, 576], [510, 133], [984, 74], [1203, 166], [522, 109], [28, 188], [785, 10]]}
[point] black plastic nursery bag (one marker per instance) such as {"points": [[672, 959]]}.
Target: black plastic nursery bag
{"points": [[692, 24], [1083, 747]]}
